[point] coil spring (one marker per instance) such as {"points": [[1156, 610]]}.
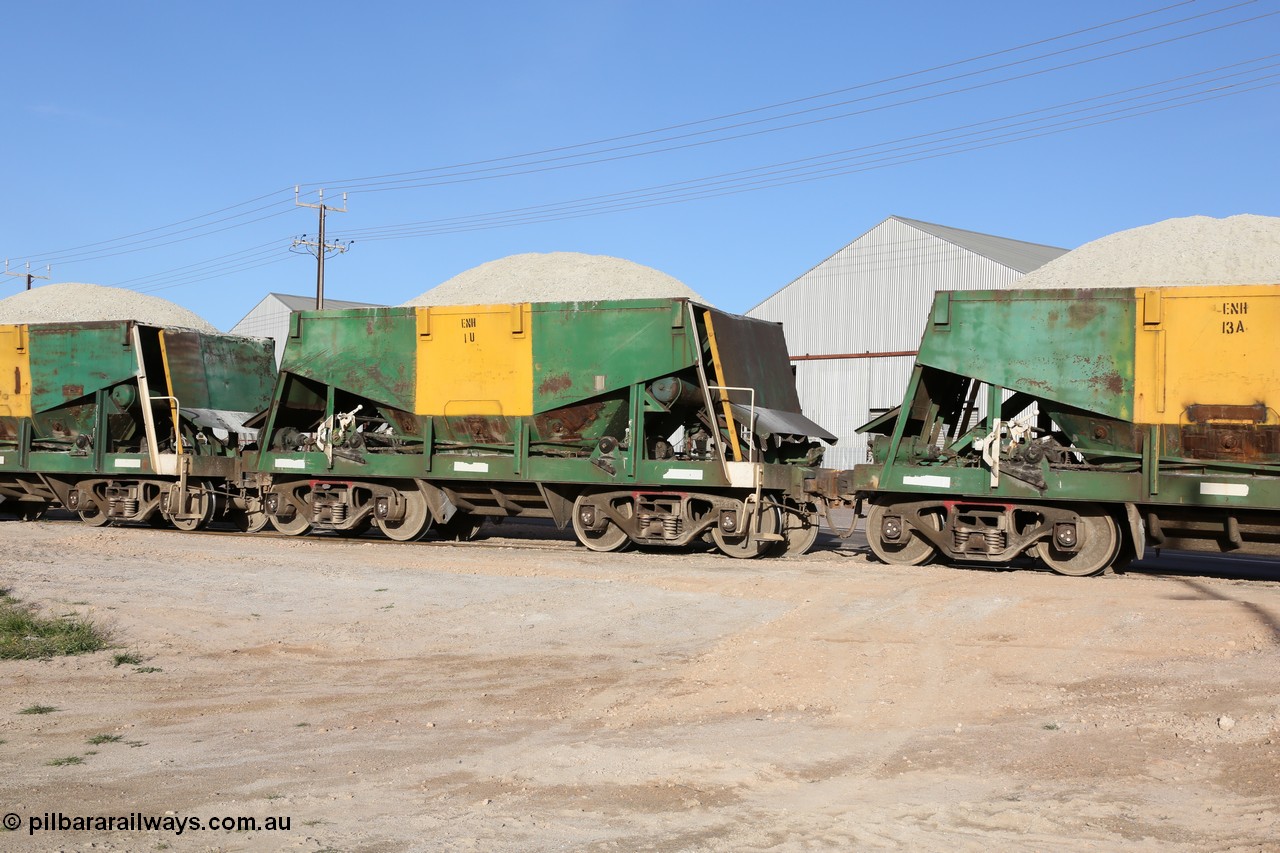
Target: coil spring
{"points": [[962, 538], [996, 540], [130, 508], [338, 513], [671, 527], [645, 520]]}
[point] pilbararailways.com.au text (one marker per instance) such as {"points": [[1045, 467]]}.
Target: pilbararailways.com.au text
{"points": [[139, 822]]}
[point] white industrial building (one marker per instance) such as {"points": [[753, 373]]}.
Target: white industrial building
{"points": [[270, 317], [854, 321]]}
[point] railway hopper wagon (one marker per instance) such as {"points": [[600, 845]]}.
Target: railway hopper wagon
{"points": [[651, 421], [1081, 426], [121, 421]]}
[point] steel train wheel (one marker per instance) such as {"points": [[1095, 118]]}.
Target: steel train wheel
{"points": [[611, 538], [209, 500], [417, 518], [747, 546], [1099, 545], [94, 517], [912, 551], [248, 521], [801, 532]]}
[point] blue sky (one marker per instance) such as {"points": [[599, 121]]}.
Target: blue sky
{"points": [[130, 125]]}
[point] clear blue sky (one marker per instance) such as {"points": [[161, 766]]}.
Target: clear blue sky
{"points": [[129, 118]]}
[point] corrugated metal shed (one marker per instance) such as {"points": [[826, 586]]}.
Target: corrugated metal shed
{"points": [[868, 303], [270, 317]]}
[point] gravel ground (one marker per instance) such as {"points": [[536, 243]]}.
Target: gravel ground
{"points": [[1241, 249], [554, 277], [56, 303], [520, 693]]}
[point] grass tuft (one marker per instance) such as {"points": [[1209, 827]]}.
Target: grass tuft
{"points": [[26, 635], [123, 658], [62, 762], [97, 739], [38, 709]]}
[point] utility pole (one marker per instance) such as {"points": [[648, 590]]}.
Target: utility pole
{"points": [[320, 247], [48, 269]]}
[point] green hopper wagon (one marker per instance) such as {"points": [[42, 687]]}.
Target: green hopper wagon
{"points": [[654, 421], [1082, 426]]}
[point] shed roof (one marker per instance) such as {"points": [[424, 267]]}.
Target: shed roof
{"points": [[306, 303], [1016, 254]]}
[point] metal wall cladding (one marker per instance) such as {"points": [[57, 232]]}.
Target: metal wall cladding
{"points": [[872, 296], [843, 395]]}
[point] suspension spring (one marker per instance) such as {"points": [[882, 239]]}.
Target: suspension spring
{"points": [[996, 540], [671, 527], [130, 508], [338, 513]]}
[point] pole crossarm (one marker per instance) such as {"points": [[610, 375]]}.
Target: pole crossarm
{"points": [[27, 274], [320, 247]]}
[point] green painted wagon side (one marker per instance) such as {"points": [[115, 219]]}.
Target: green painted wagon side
{"points": [[1080, 427], [602, 414]]}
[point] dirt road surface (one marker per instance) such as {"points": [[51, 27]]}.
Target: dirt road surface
{"points": [[525, 694]]}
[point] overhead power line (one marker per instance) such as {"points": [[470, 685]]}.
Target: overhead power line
{"points": [[778, 105], [974, 136], [166, 235], [1003, 123]]}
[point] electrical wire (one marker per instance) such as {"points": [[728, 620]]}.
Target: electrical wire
{"points": [[108, 248]]}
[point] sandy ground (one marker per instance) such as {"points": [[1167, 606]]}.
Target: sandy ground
{"points": [[525, 694]]}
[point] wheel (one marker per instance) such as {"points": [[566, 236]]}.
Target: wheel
{"points": [[295, 526], [745, 546], [208, 506], [461, 527], [914, 551], [94, 517], [1099, 544], [611, 538], [249, 521], [417, 518], [187, 524], [800, 530]]}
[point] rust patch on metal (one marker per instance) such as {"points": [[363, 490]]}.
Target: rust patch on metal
{"points": [[406, 423], [555, 384], [567, 423], [1083, 311], [1237, 442], [1199, 413], [72, 392]]}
